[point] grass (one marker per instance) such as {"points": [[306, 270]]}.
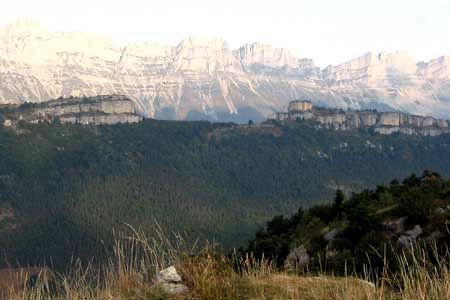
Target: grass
{"points": [[210, 275]]}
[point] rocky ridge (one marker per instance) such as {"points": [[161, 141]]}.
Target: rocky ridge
{"points": [[380, 122], [93, 110], [205, 78]]}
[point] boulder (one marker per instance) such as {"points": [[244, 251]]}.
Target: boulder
{"points": [[410, 236], [298, 259], [330, 235], [415, 232], [170, 281]]}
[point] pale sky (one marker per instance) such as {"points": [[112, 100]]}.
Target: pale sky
{"points": [[329, 31]]}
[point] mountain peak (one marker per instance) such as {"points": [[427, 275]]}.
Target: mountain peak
{"points": [[436, 70], [372, 66], [194, 41], [381, 58], [264, 54], [24, 26], [204, 75], [204, 55]]}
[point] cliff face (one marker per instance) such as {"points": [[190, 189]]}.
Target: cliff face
{"points": [[436, 70], [94, 110], [207, 77], [373, 70], [266, 55], [380, 122]]}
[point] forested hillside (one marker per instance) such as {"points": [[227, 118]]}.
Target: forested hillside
{"points": [[369, 230], [64, 188]]}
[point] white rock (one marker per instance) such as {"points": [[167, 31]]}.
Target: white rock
{"points": [[298, 259], [205, 75], [330, 235], [168, 275], [410, 236], [170, 281]]}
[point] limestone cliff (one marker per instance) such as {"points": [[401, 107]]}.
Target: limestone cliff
{"points": [[436, 70], [93, 110], [266, 55], [380, 122], [205, 76]]}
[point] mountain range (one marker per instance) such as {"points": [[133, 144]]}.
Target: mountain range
{"points": [[206, 79]]}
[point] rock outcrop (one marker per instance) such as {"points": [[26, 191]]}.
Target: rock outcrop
{"points": [[87, 110], [436, 70], [408, 239], [204, 77], [297, 260], [266, 55], [380, 122], [170, 281]]}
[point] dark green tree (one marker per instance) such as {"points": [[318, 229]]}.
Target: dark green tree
{"points": [[338, 202]]}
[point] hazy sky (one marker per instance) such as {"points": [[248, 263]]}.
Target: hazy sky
{"points": [[329, 31]]}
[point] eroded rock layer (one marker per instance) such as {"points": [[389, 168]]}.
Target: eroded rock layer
{"points": [[204, 78], [87, 110], [379, 122]]}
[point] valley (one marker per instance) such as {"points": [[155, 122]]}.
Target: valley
{"points": [[224, 150], [68, 186]]}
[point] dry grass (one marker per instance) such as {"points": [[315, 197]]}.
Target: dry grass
{"points": [[312, 287], [211, 275], [12, 280], [419, 280]]}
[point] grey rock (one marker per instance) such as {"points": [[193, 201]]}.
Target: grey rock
{"points": [[410, 237], [170, 281], [330, 236], [297, 260], [169, 275], [96, 110], [415, 232], [173, 288], [386, 123]]}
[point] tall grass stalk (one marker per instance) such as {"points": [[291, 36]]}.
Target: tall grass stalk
{"points": [[210, 275]]}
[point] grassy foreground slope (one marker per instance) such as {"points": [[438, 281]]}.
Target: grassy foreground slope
{"points": [[64, 188], [129, 274]]}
